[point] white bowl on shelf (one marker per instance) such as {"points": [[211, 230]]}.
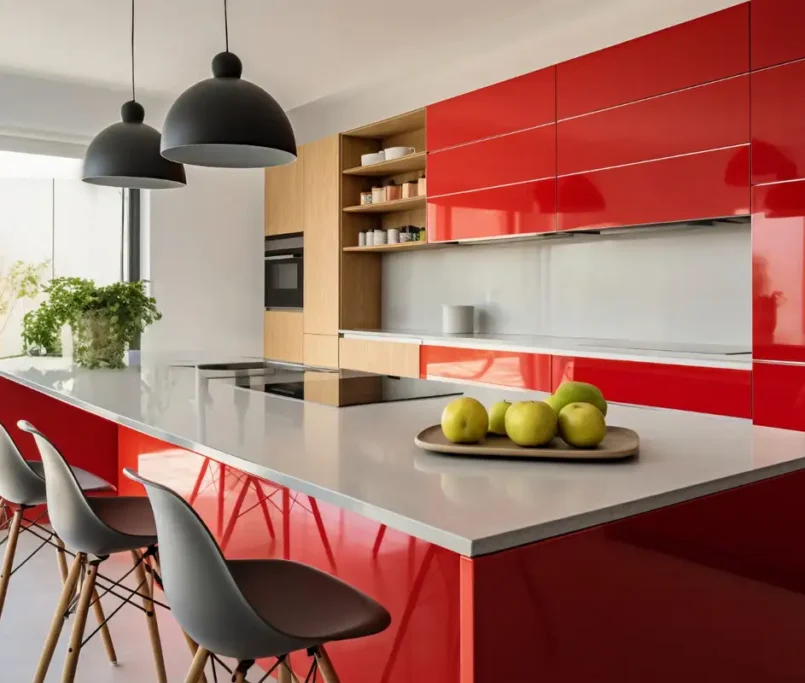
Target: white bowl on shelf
{"points": [[397, 152], [373, 158]]}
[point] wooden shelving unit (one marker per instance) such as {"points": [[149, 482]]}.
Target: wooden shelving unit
{"points": [[361, 269], [406, 164], [403, 246], [389, 207]]}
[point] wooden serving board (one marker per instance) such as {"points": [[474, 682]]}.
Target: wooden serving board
{"points": [[619, 443]]}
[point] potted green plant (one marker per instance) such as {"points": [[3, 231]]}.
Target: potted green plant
{"points": [[104, 320]]}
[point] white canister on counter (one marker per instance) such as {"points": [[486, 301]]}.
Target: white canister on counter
{"points": [[361, 239], [393, 235], [458, 319]]}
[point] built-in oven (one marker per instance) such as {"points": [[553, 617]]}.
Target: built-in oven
{"points": [[285, 271]]}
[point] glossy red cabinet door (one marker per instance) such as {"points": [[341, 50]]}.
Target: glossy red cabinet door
{"points": [[778, 131], [716, 391], [778, 272], [698, 51], [778, 396], [528, 155], [516, 104], [510, 210], [777, 31], [706, 185], [505, 368], [705, 117]]}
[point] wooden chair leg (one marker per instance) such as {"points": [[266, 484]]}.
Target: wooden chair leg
{"points": [[192, 645], [240, 677], [58, 619], [328, 673], [151, 618], [8, 560], [97, 608], [284, 674], [197, 667], [77, 634]]}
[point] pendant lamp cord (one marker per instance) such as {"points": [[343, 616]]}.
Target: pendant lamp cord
{"points": [[132, 51], [226, 26]]}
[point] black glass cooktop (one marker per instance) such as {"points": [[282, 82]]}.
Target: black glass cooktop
{"points": [[331, 387]]}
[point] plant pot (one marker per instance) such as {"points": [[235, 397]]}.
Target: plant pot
{"points": [[95, 344]]}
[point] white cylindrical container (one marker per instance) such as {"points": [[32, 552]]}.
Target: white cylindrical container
{"points": [[361, 239], [458, 319], [393, 235], [380, 236], [370, 239]]}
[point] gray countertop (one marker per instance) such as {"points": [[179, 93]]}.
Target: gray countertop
{"points": [[363, 458]]}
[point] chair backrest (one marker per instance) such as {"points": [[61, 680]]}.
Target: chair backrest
{"points": [[70, 514], [202, 594], [19, 484]]}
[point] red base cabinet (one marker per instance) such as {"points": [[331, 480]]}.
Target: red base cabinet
{"points": [[779, 395], [504, 368], [716, 391]]}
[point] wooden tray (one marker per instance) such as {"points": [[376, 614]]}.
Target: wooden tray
{"points": [[619, 443]]}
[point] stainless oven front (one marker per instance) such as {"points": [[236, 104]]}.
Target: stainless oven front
{"points": [[284, 271]]}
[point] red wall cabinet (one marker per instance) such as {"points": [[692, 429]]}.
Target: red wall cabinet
{"points": [[706, 117], [527, 155], [777, 32], [778, 123], [706, 185], [703, 390], [706, 49], [505, 368], [511, 210], [778, 272], [778, 396], [513, 105]]}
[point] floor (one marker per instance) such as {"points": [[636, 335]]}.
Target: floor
{"points": [[32, 597]]}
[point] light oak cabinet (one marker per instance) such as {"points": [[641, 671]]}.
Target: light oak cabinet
{"points": [[321, 211], [385, 358], [284, 200], [283, 336], [321, 350]]}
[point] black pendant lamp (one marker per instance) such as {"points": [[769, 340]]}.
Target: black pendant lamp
{"points": [[127, 154], [227, 122]]}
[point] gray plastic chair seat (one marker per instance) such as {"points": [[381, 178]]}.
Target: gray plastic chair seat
{"points": [[89, 482], [305, 603]]}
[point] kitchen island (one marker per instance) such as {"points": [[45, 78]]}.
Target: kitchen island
{"points": [[683, 564]]}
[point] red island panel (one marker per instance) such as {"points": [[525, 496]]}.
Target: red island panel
{"points": [[699, 51]]}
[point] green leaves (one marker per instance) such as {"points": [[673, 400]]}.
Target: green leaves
{"points": [[69, 298]]}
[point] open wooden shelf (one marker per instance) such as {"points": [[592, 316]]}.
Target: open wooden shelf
{"points": [[406, 164], [403, 123], [389, 207], [402, 246]]}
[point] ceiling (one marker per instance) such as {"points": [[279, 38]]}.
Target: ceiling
{"points": [[299, 50]]}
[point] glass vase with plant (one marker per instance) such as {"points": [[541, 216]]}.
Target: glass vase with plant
{"points": [[104, 320]]}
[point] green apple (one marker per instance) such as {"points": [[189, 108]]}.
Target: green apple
{"points": [[530, 423], [578, 392], [551, 401], [497, 413], [582, 425], [464, 420]]}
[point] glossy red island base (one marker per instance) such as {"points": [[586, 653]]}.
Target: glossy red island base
{"points": [[709, 590]]}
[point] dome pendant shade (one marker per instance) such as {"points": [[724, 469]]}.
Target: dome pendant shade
{"points": [[226, 122], [127, 154]]}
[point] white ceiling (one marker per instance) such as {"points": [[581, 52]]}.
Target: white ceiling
{"points": [[299, 50]]}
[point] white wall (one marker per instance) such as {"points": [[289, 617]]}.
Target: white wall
{"points": [[204, 257], [679, 284]]}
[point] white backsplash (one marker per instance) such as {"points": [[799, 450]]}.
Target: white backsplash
{"points": [[682, 284]]}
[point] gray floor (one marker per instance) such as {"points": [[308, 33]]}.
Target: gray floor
{"points": [[32, 597]]}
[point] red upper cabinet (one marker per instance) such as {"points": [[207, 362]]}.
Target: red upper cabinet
{"points": [[778, 272], [777, 32], [706, 49], [778, 123], [519, 209], [515, 158], [705, 185], [692, 120], [516, 104], [778, 396]]}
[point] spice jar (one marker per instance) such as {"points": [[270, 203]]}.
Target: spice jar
{"points": [[409, 189], [366, 198], [420, 188], [378, 195], [393, 192]]}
